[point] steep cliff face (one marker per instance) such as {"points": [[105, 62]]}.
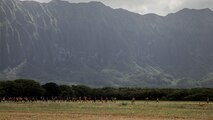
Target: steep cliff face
{"points": [[90, 43], [22, 35]]}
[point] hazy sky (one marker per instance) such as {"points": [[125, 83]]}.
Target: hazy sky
{"points": [[161, 7]]}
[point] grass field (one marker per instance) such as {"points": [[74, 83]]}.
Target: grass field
{"points": [[122, 110]]}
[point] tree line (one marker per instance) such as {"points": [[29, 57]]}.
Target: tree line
{"points": [[31, 88]]}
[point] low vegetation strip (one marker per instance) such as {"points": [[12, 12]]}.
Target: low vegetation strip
{"points": [[30, 90]]}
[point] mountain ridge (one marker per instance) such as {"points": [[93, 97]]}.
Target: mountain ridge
{"points": [[93, 44]]}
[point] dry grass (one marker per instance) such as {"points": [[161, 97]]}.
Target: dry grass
{"points": [[63, 116], [106, 111]]}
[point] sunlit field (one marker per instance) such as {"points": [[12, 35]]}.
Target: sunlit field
{"points": [[121, 110]]}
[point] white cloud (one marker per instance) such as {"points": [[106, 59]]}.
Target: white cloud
{"points": [[161, 7]]}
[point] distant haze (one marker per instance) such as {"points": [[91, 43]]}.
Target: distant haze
{"points": [[160, 7]]}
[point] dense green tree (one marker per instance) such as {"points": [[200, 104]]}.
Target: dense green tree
{"points": [[82, 90], [66, 91], [28, 88], [51, 89], [8, 88], [109, 92]]}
